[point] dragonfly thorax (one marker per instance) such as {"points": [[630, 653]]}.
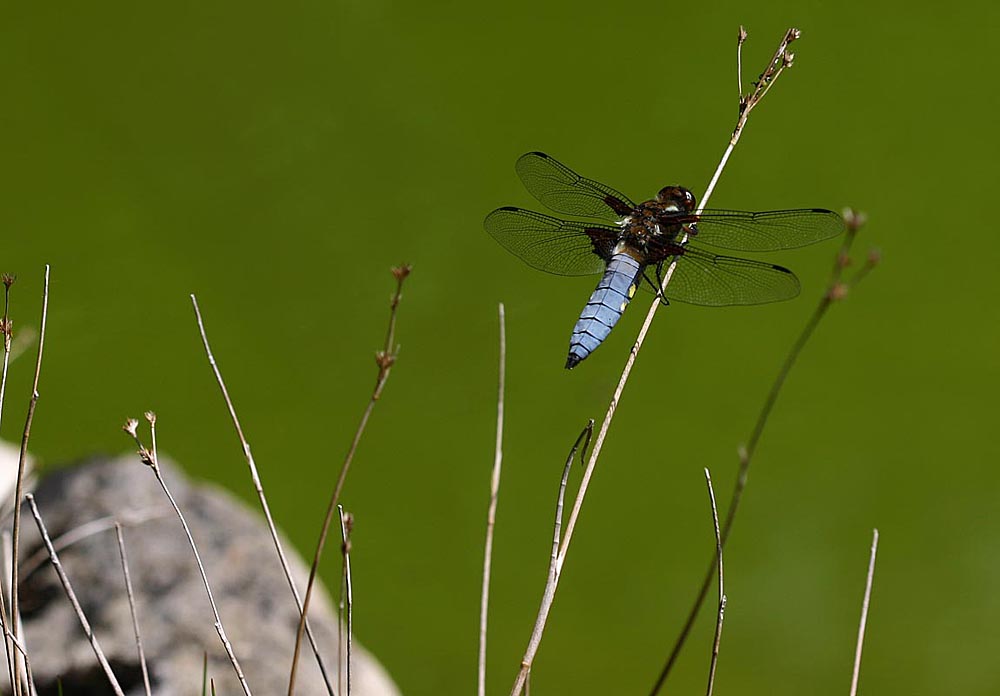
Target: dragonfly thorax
{"points": [[655, 230]]}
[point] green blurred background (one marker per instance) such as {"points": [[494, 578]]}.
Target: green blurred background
{"points": [[277, 159]]}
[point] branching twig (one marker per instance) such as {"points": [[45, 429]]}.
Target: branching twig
{"points": [[491, 515], [149, 458], [836, 290], [552, 578], [131, 606], [259, 488], [385, 359], [21, 465], [779, 62], [346, 527], [720, 617], [68, 588], [864, 613]]}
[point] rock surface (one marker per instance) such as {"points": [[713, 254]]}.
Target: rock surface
{"points": [[175, 618]]}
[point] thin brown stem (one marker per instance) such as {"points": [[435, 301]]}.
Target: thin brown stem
{"points": [[6, 330], [385, 359], [149, 458], [741, 38], [552, 578], [835, 291], [8, 334], [720, 616], [864, 614], [22, 654], [491, 515], [259, 488], [341, 630], [633, 354], [346, 526], [21, 467], [71, 595], [781, 59], [11, 641], [119, 535]]}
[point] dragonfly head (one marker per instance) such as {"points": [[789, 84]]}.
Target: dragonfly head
{"points": [[676, 198]]}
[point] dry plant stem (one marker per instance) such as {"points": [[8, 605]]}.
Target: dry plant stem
{"points": [[341, 628], [89, 529], [746, 453], [10, 640], [149, 458], [491, 515], [552, 578], [5, 328], [864, 614], [259, 488], [741, 37], [22, 655], [602, 433], [131, 605], [17, 644], [68, 588], [21, 463], [778, 63], [346, 549], [385, 360], [208, 589], [720, 617], [341, 642], [5, 539]]}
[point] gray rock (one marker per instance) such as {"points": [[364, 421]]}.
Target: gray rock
{"points": [[175, 618]]}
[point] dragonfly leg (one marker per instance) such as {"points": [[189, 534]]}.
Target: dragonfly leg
{"points": [[658, 285]]}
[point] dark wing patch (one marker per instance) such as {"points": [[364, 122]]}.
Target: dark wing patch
{"points": [[552, 245], [702, 278], [766, 231], [561, 189]]}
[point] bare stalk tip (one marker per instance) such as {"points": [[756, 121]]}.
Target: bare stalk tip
{"points": [[854, 219]]}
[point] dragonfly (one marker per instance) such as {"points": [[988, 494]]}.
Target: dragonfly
{"points": [[638, 245]]}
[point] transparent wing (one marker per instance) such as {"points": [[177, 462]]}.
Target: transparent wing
{"points": [[552, 245], [561, 189], [703, 278], [766, 231]]}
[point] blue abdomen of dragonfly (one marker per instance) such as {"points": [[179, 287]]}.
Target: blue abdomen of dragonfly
{"points": [[605, 307]]}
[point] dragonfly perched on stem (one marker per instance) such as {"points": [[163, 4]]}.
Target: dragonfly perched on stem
{"points": [[643, 240]]}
